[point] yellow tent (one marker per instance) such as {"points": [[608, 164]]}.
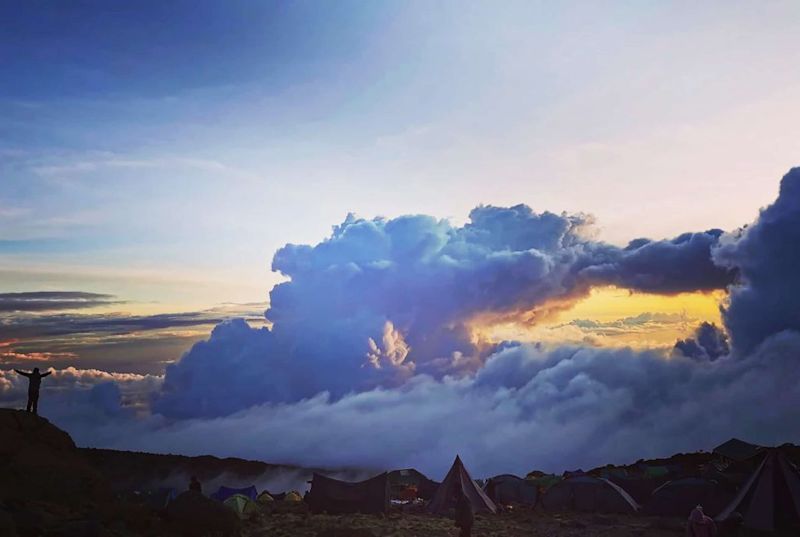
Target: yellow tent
{"points": [[293, 496], [264, 497], [242, 505]]}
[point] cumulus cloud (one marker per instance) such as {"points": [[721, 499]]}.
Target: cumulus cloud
{"points": [[384, 299]]}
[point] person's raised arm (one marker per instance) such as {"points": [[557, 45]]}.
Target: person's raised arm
{"points": [[45, 374], [23, 373]]}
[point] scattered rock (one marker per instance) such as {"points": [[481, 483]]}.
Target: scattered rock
{"points": [[346, 532]]}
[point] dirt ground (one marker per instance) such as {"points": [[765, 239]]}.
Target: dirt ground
{"points": [[518, 523]]}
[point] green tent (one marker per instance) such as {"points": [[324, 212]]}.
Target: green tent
{"points": [[656, 471], [243, 506]]}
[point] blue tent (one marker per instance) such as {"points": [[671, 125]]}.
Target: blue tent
{"points": [[223, 493]]}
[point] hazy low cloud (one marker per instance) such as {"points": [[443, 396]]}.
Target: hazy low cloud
{"points": [[528, 408], [115, 341]]}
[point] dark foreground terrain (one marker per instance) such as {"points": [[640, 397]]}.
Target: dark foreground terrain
{"points": [[51, 488], [519, 523]]}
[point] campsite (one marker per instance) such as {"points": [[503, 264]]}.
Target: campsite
{"points": [[50, 487]]}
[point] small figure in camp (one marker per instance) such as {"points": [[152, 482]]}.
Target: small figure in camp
{"points": [[539, 497], [464, 515], [195, 485], [34, 382], [700, 525]]}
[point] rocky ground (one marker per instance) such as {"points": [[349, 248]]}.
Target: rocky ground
{"points": [[517, 523]]}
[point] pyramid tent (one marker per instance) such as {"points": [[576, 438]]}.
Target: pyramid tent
{"points": [[243, 506], [458, 478], [679, 497], [737, 450], [590, 494], [770, 500]]}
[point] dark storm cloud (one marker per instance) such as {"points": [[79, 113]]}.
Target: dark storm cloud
{"points": [[767, 255], [683, 264], [52, 301], [709, 343]]}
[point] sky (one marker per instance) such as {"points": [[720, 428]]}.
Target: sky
{"points": [[169, 167]]}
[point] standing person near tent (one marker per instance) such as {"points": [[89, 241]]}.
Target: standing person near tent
{"points": [[465, 518], [700, 525], [539, 497], [195, 485], [34, 382]]}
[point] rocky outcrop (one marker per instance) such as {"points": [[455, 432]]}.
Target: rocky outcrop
{"points": [[39, 462]]}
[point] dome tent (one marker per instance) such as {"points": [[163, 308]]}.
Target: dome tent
{"points": [[243, 506], [679, 497], [589, 494]]}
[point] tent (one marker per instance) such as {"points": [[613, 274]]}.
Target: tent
{"points": [[400, 481], [638, 487], [159, 499], [679, 497], [509, 489], [265, 497], [737, 450], [770, 500], [586, 493], [223, 493], [243, 506], [458, 478], [544, 481], [655, 471], [335, 497], [292, 496]]}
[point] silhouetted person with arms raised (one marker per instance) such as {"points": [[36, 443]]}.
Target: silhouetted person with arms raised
{"points": [[34, 382]]}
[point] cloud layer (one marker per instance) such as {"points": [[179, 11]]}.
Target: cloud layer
{"points": [[52, 301], [371, 350]]}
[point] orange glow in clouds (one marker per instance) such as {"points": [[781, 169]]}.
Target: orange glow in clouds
{"points": [[610, 317]]}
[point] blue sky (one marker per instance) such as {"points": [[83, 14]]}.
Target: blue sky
{"points": [[192, 139]]}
